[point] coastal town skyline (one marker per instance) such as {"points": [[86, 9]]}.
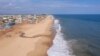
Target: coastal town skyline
{"points": [[49, 6]]}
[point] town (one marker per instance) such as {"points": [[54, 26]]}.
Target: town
{"points": [[7, 21]]}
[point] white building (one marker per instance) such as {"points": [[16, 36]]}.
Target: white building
{"points": [[19, 19]]}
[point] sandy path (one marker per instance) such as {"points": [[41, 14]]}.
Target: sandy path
{"points": [[13, 44]]}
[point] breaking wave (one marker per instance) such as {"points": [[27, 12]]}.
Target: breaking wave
{"points": [[60, 46]]}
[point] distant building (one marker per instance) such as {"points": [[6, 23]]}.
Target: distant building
{"points": [[19, 19]]}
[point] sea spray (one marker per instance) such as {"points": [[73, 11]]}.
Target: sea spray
{"points": [[60, 46]]}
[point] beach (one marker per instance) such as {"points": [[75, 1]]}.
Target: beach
{"points": [[27, 39]]}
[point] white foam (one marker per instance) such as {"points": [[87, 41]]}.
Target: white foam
{"points": [[60, 46]]}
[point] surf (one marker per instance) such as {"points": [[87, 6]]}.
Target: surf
{"points": [[60, 46]]}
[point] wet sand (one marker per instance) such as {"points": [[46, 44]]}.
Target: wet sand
{"points": [[28, 39]]}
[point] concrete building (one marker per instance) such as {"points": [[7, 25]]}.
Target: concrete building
{"points": [[19, 19]]}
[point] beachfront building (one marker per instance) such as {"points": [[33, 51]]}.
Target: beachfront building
{"points": [[19, 19], [35, 18], [7, 21], [30, 18], [1, 24]]}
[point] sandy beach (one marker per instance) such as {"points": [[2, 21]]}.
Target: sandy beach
{"points": [[28, 39]]}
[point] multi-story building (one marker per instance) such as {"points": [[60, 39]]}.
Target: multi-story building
{"points": [[19, 19]]}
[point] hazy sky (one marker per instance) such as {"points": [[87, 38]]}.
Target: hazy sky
{"points": [[50, 6]]}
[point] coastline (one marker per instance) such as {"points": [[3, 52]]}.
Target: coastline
{"points": [[13, 44]]}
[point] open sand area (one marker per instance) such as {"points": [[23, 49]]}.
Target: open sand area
{"points": [[28, 39]]}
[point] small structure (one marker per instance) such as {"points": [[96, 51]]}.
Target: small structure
{"points": [[19, 19]]}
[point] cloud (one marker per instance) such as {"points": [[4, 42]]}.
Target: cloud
{"points": [[46, 6]]}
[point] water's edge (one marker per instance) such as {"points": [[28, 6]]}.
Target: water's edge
{"points": [[60, 46]]}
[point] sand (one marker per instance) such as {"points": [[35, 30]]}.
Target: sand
{"points": [[28, 39]]}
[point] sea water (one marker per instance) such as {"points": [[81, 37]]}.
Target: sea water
{"points": [[60, 46], [77, 35]]}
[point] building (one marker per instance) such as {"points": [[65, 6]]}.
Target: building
{"points": [[19, 19]]}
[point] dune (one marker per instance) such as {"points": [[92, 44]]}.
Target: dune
{"points": [[28, 39]]}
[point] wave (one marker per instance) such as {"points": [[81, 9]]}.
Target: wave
{"points": [[60, 46]]}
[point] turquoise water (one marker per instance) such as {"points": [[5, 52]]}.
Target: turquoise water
{"points": [[82, 32]]}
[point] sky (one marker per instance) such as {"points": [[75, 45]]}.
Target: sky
{"points": [[50, 6]]}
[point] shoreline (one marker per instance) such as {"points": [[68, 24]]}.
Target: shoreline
{"points": [[12, 44]]}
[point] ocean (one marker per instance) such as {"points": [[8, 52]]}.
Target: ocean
{"points": [[77, 35]]}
